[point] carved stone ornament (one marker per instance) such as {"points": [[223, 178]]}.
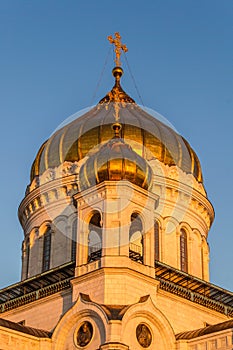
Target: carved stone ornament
{"points": [[144, 335], [84, 334]]}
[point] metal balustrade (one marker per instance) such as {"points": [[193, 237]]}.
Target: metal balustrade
{"points": [[37, 287], [135, 252], [194, 289], [94, 252]]}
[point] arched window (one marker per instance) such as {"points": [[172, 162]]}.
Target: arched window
{"points": [[74, 240], [183, 251], [95, 238], [27, 255], [46, 250], [135, 238], [156, 237]]}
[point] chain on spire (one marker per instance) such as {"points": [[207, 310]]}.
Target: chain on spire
{"points": [[118, 47]]}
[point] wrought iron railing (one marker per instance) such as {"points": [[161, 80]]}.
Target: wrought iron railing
{"points": [[194, 289], [36, 295], [135, 252], [94, 252], [37, 287]]}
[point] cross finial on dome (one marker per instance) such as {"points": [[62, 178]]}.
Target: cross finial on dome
{"points": [[118, 47]]}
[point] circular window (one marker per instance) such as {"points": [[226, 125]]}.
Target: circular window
{"points": [[144, 335], [84, 334]]}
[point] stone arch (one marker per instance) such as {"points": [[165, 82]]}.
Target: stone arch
{"points": [[186, 227], [65, 330], [71, 218], [33, 235], [44, 226], [60, 222], [163, 336], [170, 224]]}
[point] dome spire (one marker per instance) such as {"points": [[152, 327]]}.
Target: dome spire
{"points": [[117, 94]]}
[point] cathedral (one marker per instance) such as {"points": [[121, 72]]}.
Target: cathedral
{"points": [[115, 252]]}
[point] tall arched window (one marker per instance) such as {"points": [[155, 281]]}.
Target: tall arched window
{"points": [[156, 237], [46, 249], [183, 251], [74, 240], [135, 238], [95, 238]]}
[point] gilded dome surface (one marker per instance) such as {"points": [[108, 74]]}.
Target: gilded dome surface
{"points": [[148, 137], [115, 161]]}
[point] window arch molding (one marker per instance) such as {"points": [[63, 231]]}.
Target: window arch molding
{"points": [[87, 218], [60, 223], [43, 227], [170, 223], [71, 218]]}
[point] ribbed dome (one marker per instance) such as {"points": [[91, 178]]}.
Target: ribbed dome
{"points": [[147, 136], [115, 161]]}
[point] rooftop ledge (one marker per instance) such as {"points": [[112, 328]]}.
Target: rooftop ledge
{"points": [[171, 280]]}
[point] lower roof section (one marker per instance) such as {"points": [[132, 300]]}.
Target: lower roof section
{"points": [[39, 333], [206, 330]]}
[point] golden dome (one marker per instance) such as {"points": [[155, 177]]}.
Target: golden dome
{"points": [[115, 161], [148, 137]]}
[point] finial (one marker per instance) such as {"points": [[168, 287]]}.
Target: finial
{"points": [[116, 128], [118, 47]]}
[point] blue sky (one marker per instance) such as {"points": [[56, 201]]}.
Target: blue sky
{"points": [[181, 56]]}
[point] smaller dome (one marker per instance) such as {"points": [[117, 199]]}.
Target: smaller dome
{"points": [[115, 161]]}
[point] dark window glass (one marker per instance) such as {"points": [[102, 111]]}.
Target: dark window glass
{"points": [[156, 233], [46, 250], [74, 241], [183, 251]]}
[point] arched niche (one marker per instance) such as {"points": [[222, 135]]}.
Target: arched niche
{"points": [[136, 238], [95, 237]]}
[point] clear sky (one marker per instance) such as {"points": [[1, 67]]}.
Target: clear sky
{"points": [[52, 54]]}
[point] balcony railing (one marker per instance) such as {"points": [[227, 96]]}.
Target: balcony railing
{"points": [[94, 252], [135, 252]]}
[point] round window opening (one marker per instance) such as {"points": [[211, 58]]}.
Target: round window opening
{"points": [[84, 334], [144, 335]]}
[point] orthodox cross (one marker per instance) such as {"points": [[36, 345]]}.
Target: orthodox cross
{"points": [[118, 47]]}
